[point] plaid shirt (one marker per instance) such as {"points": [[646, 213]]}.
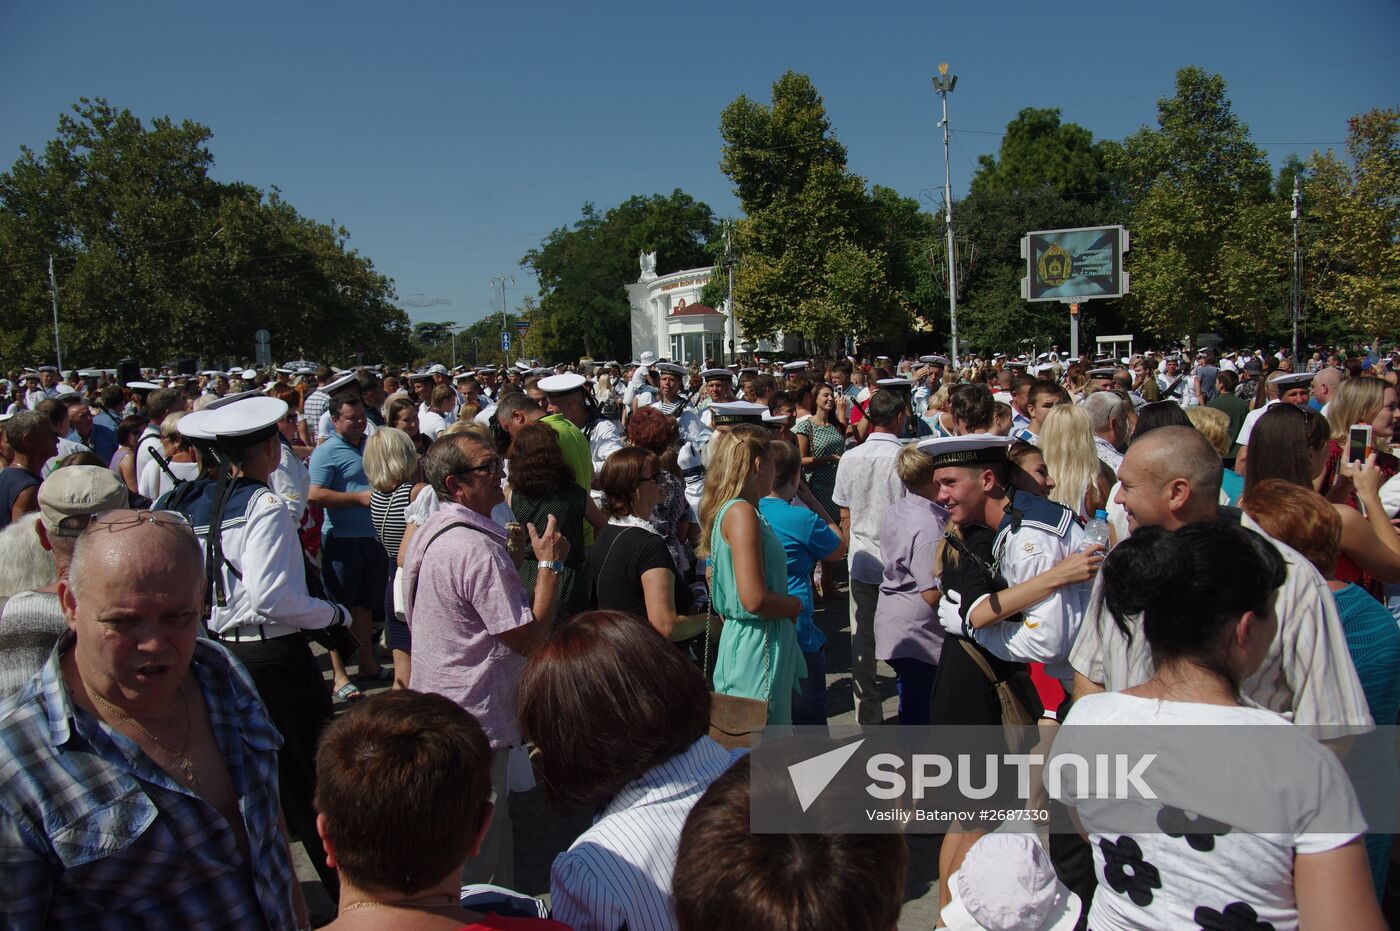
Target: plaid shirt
{"points": [[95, 835], [317, 403]]}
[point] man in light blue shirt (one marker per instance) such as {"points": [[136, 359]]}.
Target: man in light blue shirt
{"points": [[353, 561]]}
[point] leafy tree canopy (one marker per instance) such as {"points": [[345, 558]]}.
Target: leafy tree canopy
{"points": [[583, 270], [157, 260], [1356, 214], [813, 251]]}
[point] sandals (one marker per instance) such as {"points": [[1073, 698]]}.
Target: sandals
{"points": [[349, 692]]}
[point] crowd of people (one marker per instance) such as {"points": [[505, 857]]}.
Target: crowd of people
{"points": [[560, 574]]}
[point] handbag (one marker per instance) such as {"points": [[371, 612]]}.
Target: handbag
{"points": [[734, 719], [1017, 723]]}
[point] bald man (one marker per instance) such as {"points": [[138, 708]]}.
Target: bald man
{"points": [[1324, 385], [1171, 478], [149, 742]]}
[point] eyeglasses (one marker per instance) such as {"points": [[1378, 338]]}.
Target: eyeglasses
{"points": [[650, 478], [492, 466], [75, 525]]}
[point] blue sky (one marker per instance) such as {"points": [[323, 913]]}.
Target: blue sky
{"points": [[449, 138]]}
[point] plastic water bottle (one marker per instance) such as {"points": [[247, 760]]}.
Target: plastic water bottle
{"points": [[1096, 531]]}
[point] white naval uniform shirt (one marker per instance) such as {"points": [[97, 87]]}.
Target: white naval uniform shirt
{"points": [[1047, 628], [292, 483], [603, 440], [262, 544], [150, 441]]}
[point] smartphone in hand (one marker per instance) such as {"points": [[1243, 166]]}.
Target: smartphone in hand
{"points": [[1359, 443]]}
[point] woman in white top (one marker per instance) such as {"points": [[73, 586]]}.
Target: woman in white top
{"points": [[182, 462], [1206, 593]]}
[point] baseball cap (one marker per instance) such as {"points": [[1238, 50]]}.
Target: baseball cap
{"points": [[72, 493]]}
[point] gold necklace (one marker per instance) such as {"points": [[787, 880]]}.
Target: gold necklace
{"points": [[181, 758]]}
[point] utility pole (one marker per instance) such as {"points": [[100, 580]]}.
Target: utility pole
{"points": [[729, 298], [1297, 265], [943, 85], [500, 281], [53, 292]]}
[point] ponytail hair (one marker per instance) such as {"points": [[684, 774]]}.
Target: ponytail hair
{"points": [[1189, 586]]}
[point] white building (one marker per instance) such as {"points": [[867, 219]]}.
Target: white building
{"points": [[669, 320]]}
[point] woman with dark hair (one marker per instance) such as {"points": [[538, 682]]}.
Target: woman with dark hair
{"points": [[653, 431], [124, 459], [541, 485], [630, 568], [729, 876], [821, 439], [403, 415], [620, 718], [1206, 595], [1291, 443], [1160, 414]]}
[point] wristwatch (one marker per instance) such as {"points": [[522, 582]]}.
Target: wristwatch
{"points": [[552, 565]]}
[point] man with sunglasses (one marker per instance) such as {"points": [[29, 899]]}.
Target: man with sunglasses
{"points": [[473, 622], [138, 767]]}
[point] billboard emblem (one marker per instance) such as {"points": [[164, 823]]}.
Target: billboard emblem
{"points": [[1055, 265], [1075, 265]]}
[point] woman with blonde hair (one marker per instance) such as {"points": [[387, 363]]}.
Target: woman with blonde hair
{"points": [[1362, 400], [181, 461], [938, 416], [759, 656], [1214, 424], [1067, 443], [396, 479]]}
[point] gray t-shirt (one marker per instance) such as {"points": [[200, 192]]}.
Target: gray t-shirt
{"points": [[30, 624]]}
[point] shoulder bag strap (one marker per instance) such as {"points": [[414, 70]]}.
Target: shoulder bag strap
{"points": [[980, 660]]}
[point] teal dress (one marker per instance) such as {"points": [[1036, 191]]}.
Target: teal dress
{"points": [[758, 657]]}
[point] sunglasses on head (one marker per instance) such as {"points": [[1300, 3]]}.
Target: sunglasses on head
{"points": [[75, 525]]}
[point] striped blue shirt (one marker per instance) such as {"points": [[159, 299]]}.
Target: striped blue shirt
{"points": [[618, 873], [95, 835]]}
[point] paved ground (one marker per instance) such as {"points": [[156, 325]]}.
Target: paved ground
{"points": [[541, 833]]}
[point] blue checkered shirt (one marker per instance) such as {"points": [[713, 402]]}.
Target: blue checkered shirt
{"points": [[95, 835], [316, 404]]}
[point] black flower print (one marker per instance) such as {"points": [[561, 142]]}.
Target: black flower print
{"points": [[1127, 873], [1200, 832], [1237, 916]]}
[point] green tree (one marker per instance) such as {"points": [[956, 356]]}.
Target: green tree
{"points": [[583, 271], [1210, 247], [157, 260], [812, 254], [1039, 152], [1356, 212], [1046, 175]]}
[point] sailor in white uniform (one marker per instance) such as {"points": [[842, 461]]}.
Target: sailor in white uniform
{"points": [[260, 606], [694, 461], [1034, 535], [567, 395], [718, 389]]}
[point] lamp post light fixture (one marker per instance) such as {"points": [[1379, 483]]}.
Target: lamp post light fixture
{"points": [[943, 85]]}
